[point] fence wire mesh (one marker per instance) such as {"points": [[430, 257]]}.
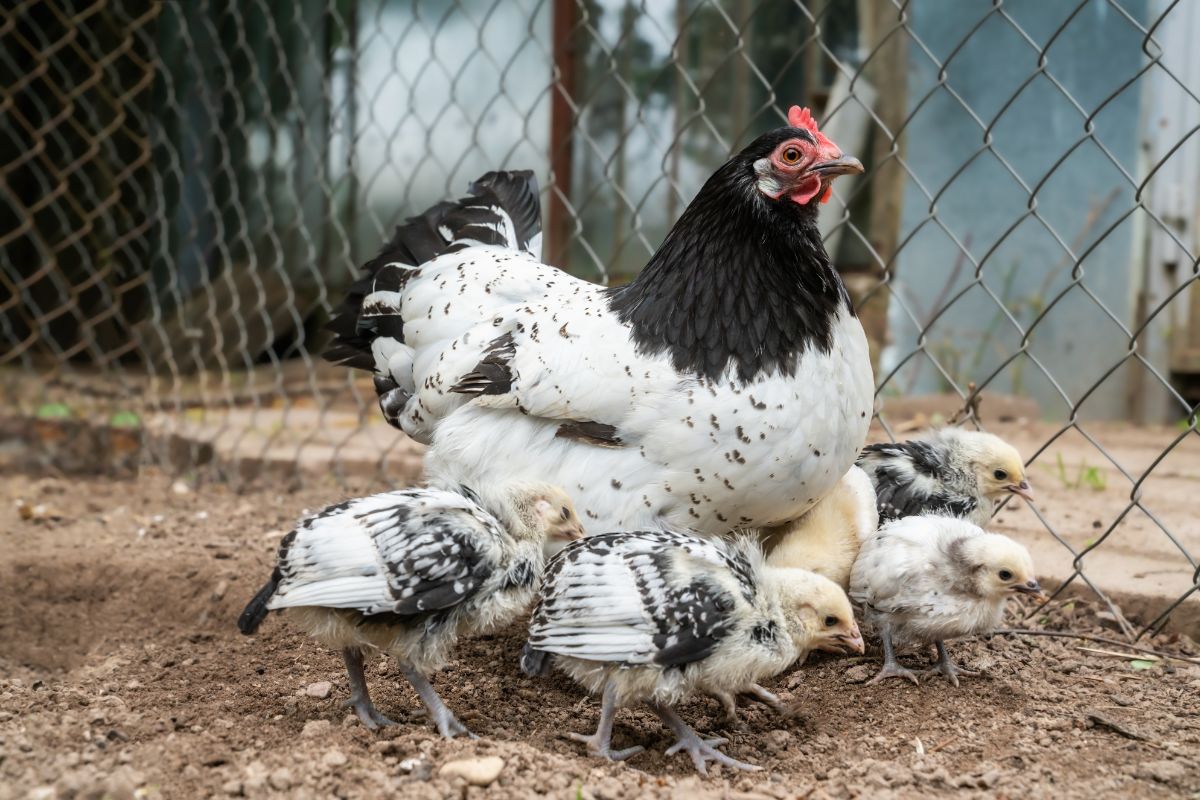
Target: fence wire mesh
{"points": [[188, 187]]}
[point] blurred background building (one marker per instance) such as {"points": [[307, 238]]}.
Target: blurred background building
{"points": [[189, 185]]}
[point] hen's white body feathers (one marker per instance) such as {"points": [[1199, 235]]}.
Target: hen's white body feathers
{"points": [[692, 453]]}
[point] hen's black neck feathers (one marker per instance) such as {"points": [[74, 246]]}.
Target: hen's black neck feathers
{"points": [[739, 278]]}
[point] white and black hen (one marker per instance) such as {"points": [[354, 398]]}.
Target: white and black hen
{"points": [[732, 366], [952, 471], [408, 572], [656, 616]]}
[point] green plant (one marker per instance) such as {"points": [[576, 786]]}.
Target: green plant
{"points": [[53, 411], [125, 419], [1093, 478]]}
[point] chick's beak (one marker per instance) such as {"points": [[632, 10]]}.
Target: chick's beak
{"points": [[1033, 589], [1022, 489], [573, 533], [842, 165], [851, 642]]}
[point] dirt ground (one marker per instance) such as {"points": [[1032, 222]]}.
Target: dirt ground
{"points": [[122, 675]]}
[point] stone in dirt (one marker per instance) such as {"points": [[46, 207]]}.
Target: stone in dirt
{"points": [[860, 674], [476, 771], [281, 779], [334, 758], [315, 727], [1164, 771], [320, 689]]}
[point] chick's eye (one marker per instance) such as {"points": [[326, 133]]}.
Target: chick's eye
{"points": [[1000, 475], [566, 513], [791, 155], [1005, 575], [830, 621]]}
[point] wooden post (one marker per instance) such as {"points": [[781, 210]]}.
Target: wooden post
{"points": [[562, 119], [886, 71]]}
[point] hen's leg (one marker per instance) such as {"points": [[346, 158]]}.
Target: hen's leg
{"points": [[600, 742], [891, 667], [447, 724], [360, 699], [945, 665], [701, 750]]}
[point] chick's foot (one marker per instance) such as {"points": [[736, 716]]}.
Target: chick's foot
{"points": [[701, 750]]}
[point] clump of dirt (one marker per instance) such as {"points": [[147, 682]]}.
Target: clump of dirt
{"points": [[124, 675]]}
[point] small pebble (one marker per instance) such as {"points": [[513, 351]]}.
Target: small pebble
{"points": [[476, 771], [860, 674], [281, 779], [315, 727], [334, 758], [319, 689]]}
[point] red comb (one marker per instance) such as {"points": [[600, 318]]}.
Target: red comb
{"points": [[802, 118]]}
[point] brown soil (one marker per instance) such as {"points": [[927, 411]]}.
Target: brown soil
{"points": [[121, 674]]}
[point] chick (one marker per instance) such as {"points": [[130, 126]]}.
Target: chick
{"points": [[924, 580], [952, 471], [827, 538], [408, 572], [654, 617]]}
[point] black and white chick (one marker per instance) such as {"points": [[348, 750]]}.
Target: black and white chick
{"points": [[924, 580], [655, 617], [952, 471], [408, 572]]}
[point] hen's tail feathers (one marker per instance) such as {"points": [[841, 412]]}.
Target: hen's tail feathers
{"points": [[256, 610], [534, 662], [502, 209]]}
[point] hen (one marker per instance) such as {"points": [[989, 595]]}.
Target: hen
{"points": [[727, 385]]}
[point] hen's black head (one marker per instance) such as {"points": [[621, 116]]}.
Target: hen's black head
{"points": [[796, 164], [742, 279]]}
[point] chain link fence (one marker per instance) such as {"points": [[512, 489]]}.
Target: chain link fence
{"points": [[186, 188]]}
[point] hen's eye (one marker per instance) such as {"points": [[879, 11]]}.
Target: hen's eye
{"points": [[1000, 475], [566, 513], [830, 621], [791, 155], [1005, 575]]}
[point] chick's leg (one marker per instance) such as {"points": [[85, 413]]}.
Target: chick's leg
{"points": [[728, 703], [891, 667], [946, 666], [600, 742], [360, 699], [447, 724], [701, 750]]}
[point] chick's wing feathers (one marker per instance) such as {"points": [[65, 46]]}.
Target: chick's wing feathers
{"points": [[910, 478], [640, 598], [406, 553]]}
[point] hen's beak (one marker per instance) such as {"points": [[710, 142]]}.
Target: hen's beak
{"points": [[842, 165], [1022, 489], [1033, 589]]}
